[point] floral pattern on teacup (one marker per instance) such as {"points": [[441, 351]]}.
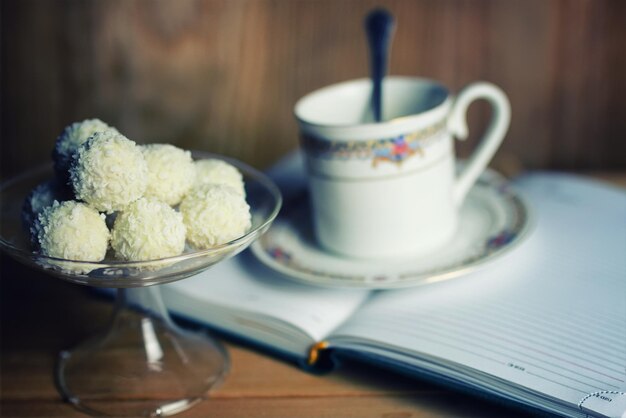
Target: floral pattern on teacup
{"points": [[394, 150]]}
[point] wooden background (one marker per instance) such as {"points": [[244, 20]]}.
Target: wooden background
{"points": [[223, 75]]}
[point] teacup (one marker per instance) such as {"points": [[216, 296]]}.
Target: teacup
{"points": [[390, 189]]}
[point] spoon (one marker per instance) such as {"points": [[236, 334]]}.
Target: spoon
{"points": [[379, 27]]}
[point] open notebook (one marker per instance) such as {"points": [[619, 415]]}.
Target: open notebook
{"points": [[544, 326]]}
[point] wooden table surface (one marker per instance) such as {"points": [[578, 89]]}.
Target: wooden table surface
{"points": [[41, 315]]}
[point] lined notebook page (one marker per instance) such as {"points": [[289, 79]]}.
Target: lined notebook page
{"points": [[550, 316], [244, 285]]}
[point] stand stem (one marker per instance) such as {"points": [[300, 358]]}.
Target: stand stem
{"points": [[143, 364], [146, 300]]}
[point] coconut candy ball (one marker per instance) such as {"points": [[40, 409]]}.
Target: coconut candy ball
{"points": [[171, 172], [40, 198], [147, 230], [71, 230], [108, 171], [70, 139], [214, 214], [214, 171]]}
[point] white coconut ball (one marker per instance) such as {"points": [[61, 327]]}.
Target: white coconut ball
{"points": [[214, 171], [214, 214], [40, 198], [70, 139], [171, 172], [147, 230], [71, 230], [109, 172]]}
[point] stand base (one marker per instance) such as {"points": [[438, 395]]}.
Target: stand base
{"points": [[142, 366]]}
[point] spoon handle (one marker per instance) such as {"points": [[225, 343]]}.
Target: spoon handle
{"points": [[379, 27]]}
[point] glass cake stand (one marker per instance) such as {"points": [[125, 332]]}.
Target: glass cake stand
{"points": [[143, 358]]}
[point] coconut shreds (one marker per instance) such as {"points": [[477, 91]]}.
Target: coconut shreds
{"points": [[136, 189], [171, 172], [42, 196], [71, 230], [70, 139], [108, 172], [146, 230], [214, 171], [214, 214]]}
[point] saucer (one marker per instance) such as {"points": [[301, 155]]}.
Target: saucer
{"points": [[493, 220]]}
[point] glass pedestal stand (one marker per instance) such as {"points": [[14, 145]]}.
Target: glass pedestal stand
{"points": [[143, 364]]}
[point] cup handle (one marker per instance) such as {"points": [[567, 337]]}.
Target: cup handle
{"points": [[494, 135]]}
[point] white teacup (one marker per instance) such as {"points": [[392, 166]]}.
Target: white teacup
{"points": [[389, 189]]}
